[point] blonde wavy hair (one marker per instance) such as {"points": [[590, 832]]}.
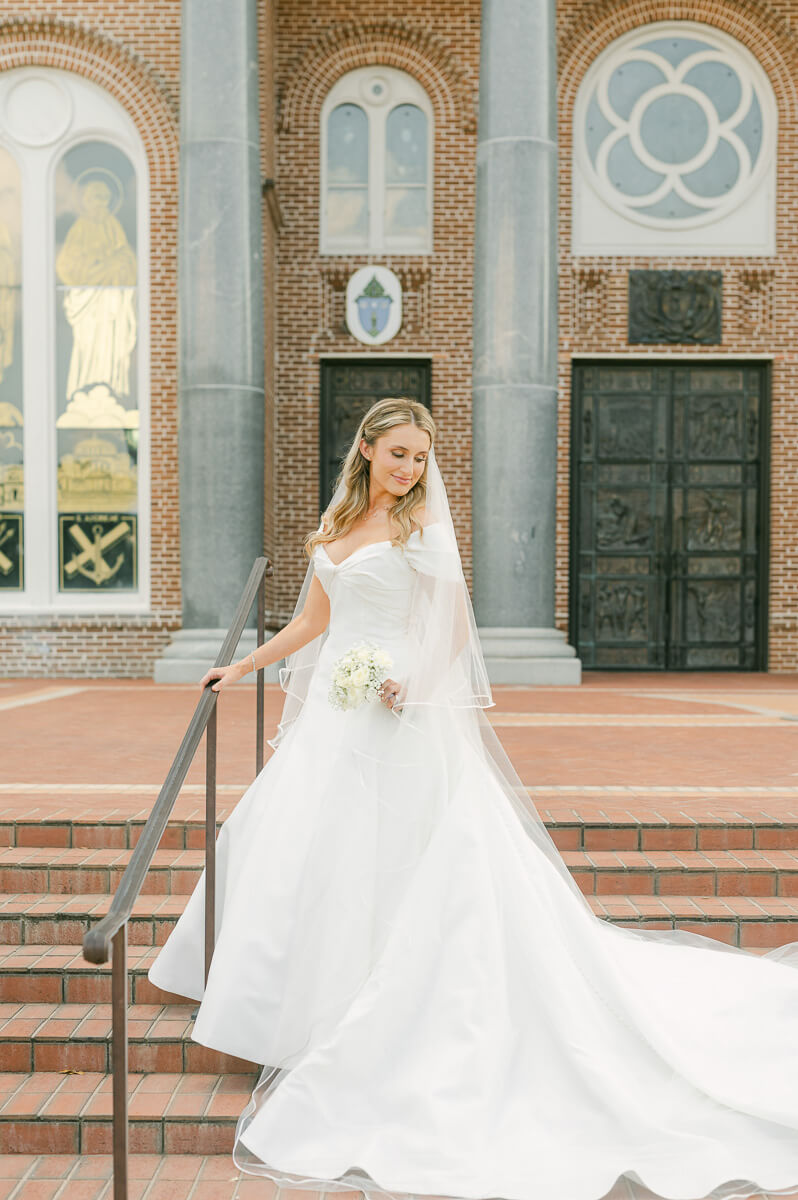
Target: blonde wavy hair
{"points": [[354, 473]]}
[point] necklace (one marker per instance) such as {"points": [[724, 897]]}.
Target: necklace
{"points": [[379, 508]]}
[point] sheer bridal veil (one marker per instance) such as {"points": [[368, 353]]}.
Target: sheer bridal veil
{"points": [[447, 685]]}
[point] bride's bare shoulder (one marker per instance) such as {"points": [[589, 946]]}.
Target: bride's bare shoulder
{"points": [[422, 516]]}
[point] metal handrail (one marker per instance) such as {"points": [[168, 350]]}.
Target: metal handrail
{"points": [[108, 938]]}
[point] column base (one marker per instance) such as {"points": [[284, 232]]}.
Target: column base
{"points": [[526, 655], [192, 651]]}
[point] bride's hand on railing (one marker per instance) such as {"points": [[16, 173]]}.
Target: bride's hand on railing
{"points": [[225, 676], [389, 690]]}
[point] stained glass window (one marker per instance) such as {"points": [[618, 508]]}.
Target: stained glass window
{"points": [[74, 472], [376, 164], [12, 401], [96, 333]]}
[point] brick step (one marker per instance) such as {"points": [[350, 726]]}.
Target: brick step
{"points": [[81, 871], [35, 919], [76, 1037], [638, 827], [52, 1113], [665, 872], [32, 919], [60, 975], [172, 1176], [670, 825], [686, 872], [103, 832]]}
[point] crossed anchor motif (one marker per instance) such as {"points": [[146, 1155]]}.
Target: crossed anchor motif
{"points": [[6, 532], [89, 561]]}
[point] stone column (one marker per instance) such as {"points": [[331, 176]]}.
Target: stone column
{"points": [[221, 369], [515, 347]]}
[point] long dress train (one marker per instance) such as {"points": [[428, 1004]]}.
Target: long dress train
{"points": [[438, 1012]]}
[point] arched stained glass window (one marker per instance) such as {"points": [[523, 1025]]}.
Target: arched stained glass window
{"points": [[376, 164], [73, 379]]}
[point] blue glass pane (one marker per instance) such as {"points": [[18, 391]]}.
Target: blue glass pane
{"points": [[674, 128], [720, 83], [347, 145], [750, 130], [627, 173], [596, 129], [406, 145], [718, 175], [674, 49], [629, 82], [671, 206], [406, 212], [348, 213]]}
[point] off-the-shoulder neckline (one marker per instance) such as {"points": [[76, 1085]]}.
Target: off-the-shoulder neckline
{"points": [[367, 545]]}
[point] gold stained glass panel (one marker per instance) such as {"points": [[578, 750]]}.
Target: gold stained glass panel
{"points": [[12, 469], [97, 330], [97, 552]]}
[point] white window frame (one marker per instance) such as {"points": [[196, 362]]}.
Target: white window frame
{"points": [[353, 88], [95, 116]]}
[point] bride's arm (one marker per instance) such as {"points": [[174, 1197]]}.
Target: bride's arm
{"points": [[313, 620]]}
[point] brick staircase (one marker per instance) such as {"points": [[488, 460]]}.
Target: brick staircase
{"points": [[731, 874]]}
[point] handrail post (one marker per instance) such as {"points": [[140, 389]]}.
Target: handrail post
{"points": [[259, 678], [210, 838], [119, 1059]]}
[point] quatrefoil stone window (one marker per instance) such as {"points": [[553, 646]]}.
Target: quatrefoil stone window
{"points": [[674, 128]]}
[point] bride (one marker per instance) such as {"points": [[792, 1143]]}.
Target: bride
{"points": [[398, 940]]}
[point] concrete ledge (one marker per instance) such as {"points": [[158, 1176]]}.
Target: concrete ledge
{"points": [[529, 655], [192, 651]]}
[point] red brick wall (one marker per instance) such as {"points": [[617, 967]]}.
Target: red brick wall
{"points": [[132, 49], [760, 315], [439, 45]]}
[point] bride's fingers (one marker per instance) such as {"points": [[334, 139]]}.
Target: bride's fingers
{"points": [[388, 692]]}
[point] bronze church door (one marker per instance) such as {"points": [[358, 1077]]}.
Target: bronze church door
{"points": [[669, 515], [348, 388]]}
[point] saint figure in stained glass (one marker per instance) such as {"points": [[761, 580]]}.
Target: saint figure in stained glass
{"points": [[98, 267]]}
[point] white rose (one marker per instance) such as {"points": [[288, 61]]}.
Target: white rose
{"points": [[359, 676]]}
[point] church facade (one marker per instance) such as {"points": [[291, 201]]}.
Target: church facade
{"points": [[569, 229]]}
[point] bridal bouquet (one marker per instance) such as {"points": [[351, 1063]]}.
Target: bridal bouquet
{"points": [[357, 675]]}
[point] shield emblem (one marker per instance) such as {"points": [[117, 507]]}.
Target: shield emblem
{"points": [[373, 307]]}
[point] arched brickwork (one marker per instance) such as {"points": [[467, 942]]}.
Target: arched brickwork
{"points": [[347, 45]]}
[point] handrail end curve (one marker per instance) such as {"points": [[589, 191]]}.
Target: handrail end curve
{"points": [[96, 946]]}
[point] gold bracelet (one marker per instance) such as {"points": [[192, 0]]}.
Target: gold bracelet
{"points": [[252, 656]]}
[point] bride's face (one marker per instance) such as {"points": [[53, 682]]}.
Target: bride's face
{"points": [[397, 458]]}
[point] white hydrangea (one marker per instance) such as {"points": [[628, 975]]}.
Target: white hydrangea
{"points": [[357, 675]]}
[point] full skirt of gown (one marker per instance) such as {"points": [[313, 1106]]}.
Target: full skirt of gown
{"points": [[436, 1011]]}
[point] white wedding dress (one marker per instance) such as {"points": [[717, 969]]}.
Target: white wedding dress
{"points": [[438, 1012]]}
